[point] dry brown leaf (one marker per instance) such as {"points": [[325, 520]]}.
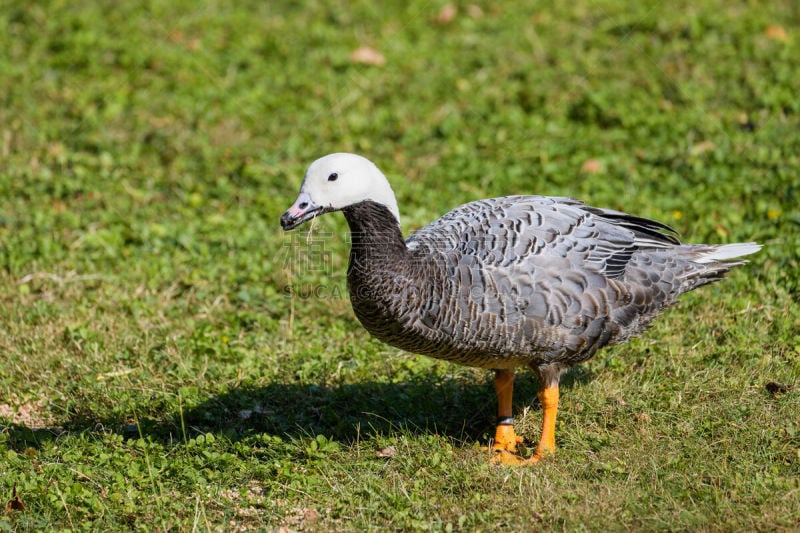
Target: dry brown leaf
{"points": [[446, 15], [591, 166], [776, 33], [474, 11], [703, 147], [15, 503], [367, 56], [389, 451], [310, 515]]}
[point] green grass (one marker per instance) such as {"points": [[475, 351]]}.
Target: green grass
{"points": [[157, 374]]}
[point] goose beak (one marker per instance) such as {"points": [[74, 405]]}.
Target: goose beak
{"points": [[302, 210]]}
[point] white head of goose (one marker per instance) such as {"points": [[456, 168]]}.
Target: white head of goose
{"points": [[338, 181], [506, 282]]}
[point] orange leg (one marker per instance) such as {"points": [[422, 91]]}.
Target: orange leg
{"points": [[505, 440], [548, 397]]}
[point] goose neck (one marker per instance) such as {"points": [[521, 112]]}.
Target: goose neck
{"points": [[375, 233]]}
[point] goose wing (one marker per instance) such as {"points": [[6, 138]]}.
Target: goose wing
{"points": [[529, 275], [538, 231]]}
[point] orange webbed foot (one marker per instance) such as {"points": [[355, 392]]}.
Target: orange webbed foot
{"points": [[511, 459], [505, 439], [507, 447]]}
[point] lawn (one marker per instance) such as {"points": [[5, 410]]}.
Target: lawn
{"points": [[171, 360]]}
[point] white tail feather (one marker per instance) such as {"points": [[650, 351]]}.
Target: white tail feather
{"points": [[728, 251]]}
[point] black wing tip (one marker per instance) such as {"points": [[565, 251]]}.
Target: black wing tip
{"points": [[657, 231]]}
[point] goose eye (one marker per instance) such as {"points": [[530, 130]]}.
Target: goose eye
{"points": [[333, 176]]}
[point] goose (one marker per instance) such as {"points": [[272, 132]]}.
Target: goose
{"points": [[502, 283]]}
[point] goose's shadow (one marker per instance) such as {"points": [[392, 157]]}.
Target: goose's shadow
{"points": [[457, 408], [462, 408]]}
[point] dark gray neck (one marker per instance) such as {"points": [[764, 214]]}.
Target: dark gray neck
{"points": [[373, 225], [380, 270], [377, 241]]}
